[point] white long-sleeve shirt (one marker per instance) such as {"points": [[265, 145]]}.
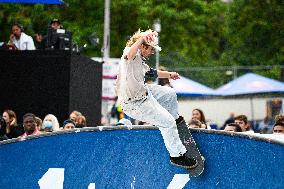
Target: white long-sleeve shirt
{"points": [[24, 43]]}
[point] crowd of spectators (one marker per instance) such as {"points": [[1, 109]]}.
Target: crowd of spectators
{"points": [[239, 123], [33, 125]]}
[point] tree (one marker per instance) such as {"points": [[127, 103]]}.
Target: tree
{"points": [[255, 33]]}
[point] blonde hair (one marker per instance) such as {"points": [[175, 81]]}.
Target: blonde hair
{"points": [[136, 36], [54, 120]]}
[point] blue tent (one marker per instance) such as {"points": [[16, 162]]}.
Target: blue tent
{"points": [[250, 84], [187, 87], [33, 1]]}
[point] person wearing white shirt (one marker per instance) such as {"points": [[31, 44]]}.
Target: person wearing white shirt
{"points": [[19, 40], [154, 104]]}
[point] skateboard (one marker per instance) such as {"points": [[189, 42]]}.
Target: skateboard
{"points": [[192, 149]]}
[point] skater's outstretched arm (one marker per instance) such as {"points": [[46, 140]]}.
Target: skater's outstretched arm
{"points": [[166, 74]]}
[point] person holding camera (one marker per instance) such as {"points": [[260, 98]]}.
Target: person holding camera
{"points": [[57, 37], [55, 24], [19, 40]]}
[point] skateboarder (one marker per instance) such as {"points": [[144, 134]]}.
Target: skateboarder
{"points": [[151, 103]]}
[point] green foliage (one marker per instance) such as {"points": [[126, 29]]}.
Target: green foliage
{"points": [[195, 33]]}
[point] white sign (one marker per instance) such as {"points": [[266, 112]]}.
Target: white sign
{"points": [[110, 68], [54, 179], [108, 90]]}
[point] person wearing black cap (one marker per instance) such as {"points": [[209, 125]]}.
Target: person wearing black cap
{"points": [[55, 24], [68, 124], [57, 37]]}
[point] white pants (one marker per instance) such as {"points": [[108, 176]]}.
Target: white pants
{"points": [[159, 108]]}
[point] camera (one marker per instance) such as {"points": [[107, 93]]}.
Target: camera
{"points": [[58, 39]]}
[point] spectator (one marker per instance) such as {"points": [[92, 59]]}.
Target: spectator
{"points": [[81, 122], [278, 128], [68, 124], [73, 115], [57, 37], [231, 119], [194, 123], [116, 111], [50, 123], [198, 114], [233, 127], [265, 126], [19, 39], [39, 41], [39, 123], [279, 118], [242, 121], [13, 130], [55, 24], [29, 122], [3, 125]]}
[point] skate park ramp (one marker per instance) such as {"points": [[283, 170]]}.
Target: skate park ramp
{"points": [[135, 157]]}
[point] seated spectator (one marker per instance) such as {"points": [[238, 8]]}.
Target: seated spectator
{"points": [[29, 122], [13, 130], [39, 123], [278, 128], [231, 119], [68, 124], [19, 40], [3, 130], [194, 123], [242, 121], [279, 118], [50, 123], [198, 114], [73, 115], [265, 126], [39, 41], [233, 127], [81, 121], [116, 112]]}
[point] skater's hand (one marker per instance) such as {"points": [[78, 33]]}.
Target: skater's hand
{"points": [[149, 37], [174, 75]]}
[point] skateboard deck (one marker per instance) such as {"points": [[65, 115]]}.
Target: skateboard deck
{"points": [[192, 149]]}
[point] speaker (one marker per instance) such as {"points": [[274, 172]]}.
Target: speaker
{"points": [[56, 82]]}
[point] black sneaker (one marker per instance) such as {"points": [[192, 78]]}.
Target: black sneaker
{"points": [[184, 161]]}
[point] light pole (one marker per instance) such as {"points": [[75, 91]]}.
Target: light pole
{"points": [[157, 28], [106, 47], [106, 104]]}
